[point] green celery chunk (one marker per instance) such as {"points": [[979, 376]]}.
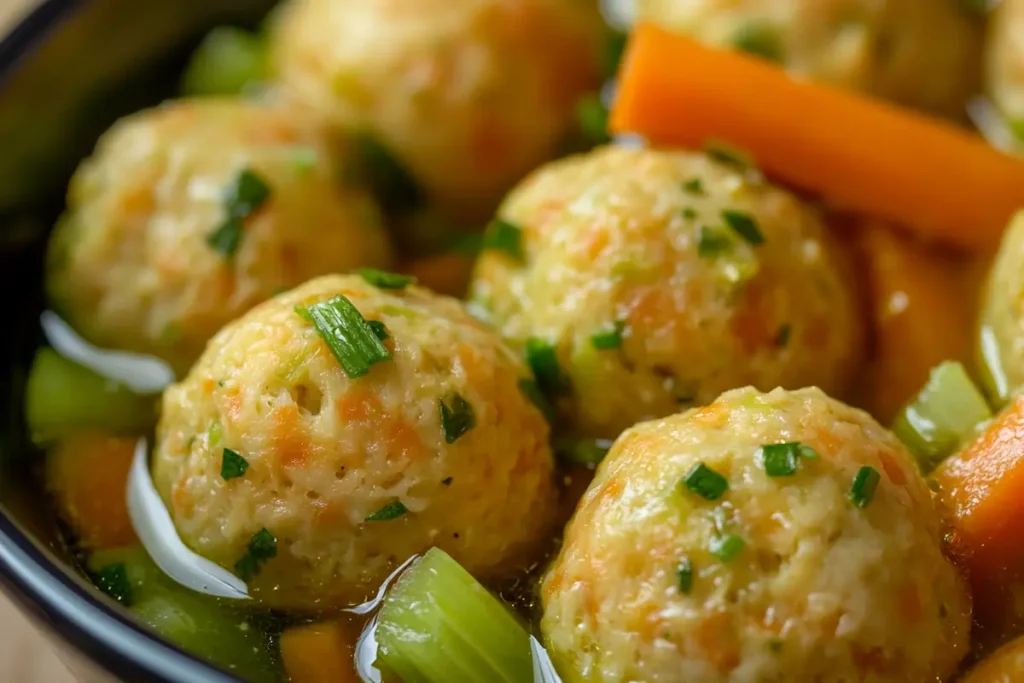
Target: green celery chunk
{"points": [[942, 416], [439, 625], [227, 62], [63, 397], [214, 630]]}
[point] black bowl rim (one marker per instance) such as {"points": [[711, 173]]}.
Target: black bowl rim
{"points": [[83, 619]]}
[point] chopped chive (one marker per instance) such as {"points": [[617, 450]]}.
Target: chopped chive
{"points": [[386, 280], [504, 236], [727, 548], [232, 465], [389, 512], [689, 213], [226, 238], [759, 38], [864, 484], [447, 481], [608, 338], [725, 153], [543, 360], [705, 482], [112, 579], [783, 335], [586, 452], [780, 459], [262, 547], [379, 329], [684, 576], [712, 242], [806, 452], [532, 392], [457, 418], [694, 186], [246, 194], [303, 313], [351, 339], [744, 225]]}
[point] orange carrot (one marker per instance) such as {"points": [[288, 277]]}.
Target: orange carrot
{"points": [[445, 273], [980, 498], [319, 653], [943, 182], [1007, 664], [88, 473], [919, 314]]}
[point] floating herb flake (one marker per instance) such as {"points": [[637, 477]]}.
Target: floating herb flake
{"points": [[112, 579], [262, 547]]}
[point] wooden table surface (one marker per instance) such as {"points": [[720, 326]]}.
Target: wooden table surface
{"points": [[25, 657]]}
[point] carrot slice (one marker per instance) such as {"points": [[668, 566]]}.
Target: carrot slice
{"points": [[88, 475], [857, 153], [319, 653], [980, 497], [920, 316]]}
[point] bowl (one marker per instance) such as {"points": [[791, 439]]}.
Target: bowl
{"points": [[68, 71]]}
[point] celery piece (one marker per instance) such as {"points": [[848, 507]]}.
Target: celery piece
{"points": [[227, 62], [439, 625], [204, 626], [942, 416], [63, 397]]}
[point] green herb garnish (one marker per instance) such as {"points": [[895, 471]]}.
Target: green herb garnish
{"points": [[112, 579], [608, 338], [226, 238], [592, 118], [712, 242], [725, 153], [783, 459], [504, 236], [457, 417], [727, 548], [388, 512], [232, 465], [689, 213], [350, 338], [379, 329], [386, 280], [759, 38], [864, 485], [705, 482], [243, 197], [694, 186], [532, 392], [744, 225], [262, 547], [684, 576], [543, 360]]}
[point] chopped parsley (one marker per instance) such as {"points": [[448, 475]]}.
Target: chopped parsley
{"points": [[712, 242], [504, 236], [386, 280], [354, 343], [727, 548], [609, 337], [705, 482], [744, 225], [262, 547], [864, 485], [694, 186], [457, 417], [684, 576], [112, 579], [389, 512], [783, 335], [243, 197], [232, 465], [759, 38], [543, 360]]}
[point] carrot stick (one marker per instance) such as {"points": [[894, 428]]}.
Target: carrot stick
{"points": [[861, 154], [919, 313], [87, 474], [980, 498], [319, 653]]}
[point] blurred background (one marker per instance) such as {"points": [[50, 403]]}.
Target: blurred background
{"points": [[24, 656]]}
